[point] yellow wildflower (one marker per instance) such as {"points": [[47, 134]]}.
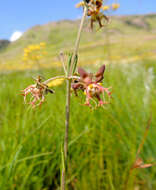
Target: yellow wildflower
{"points": [[37, 57], [25, 54], [26, 50], [31, 47], [37, 47], [106, 8], [81, 4], [42, 44], [115, 6], [25, 58], [55, 82]]}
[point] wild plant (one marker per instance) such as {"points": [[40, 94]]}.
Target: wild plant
{"points": [[77, 79]]}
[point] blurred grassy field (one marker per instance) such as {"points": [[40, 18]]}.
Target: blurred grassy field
{"points": [[103, 142]]}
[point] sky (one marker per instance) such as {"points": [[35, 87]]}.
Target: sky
{"points": [[17, 16]]}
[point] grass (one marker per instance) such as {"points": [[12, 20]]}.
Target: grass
{"points": [[103, 142]]}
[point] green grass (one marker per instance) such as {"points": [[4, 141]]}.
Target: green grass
{"points": [[102, 142]]}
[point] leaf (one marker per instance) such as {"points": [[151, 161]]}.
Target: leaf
{"points": [[69, 63], [75, 64]]}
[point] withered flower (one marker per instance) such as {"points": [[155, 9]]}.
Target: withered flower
{"points": [[140, 164], [94, 12], [91, 85], [37, 92]]}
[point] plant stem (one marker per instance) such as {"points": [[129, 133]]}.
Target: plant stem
{"points": [[78, 39], [66, 134], [138, 151], [68, 96]]}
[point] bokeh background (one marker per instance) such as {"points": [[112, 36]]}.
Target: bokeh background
{"points": [[103, 142]]}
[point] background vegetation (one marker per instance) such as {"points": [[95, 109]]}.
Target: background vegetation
{"points": [[103, 142]]}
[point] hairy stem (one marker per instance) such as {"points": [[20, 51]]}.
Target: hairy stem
{"points": [[64, 171]]}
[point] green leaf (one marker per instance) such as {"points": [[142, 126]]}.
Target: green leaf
{"points": [[69, 63], [75, 64]]}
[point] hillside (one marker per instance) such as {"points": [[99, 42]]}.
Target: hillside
{"points": [[4, 44], [126, 37]]}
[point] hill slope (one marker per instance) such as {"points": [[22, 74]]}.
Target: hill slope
{"points": [[125, 37]]}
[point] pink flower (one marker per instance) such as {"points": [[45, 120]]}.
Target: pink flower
{"points": [[37, 92], [91, 86]]}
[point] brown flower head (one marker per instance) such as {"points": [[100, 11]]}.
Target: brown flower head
{"points": [[37, 92], [94, 11], [91, 85]]}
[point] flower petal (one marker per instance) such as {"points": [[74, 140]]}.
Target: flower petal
{"points": [[99, 75]]}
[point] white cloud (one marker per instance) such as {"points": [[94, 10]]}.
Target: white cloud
{"points": [[15, 36]]}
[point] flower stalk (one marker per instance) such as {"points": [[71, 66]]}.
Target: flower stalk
{"points": [[88, 83], [78, 40], [68, 97]]}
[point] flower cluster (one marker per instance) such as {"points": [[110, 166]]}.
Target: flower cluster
{"points": [[87, 82], [113, 6], [95, 8], [91, 86], [37, 92], [94, 12], [34, 52]]}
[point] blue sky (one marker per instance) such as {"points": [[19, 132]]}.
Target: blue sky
{"points": [[20, 15]]}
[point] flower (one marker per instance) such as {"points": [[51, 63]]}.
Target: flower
{"points": [[42, 44], [34, 52], [37, 92], [115, 6], [80, 4], [91, 85], [105, 8], [94, 12], [55, 82], [140, 164]]}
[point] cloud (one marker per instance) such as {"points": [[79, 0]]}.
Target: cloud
{"points": [[15, 36]]}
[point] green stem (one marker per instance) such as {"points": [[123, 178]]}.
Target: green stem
{"points": [[78, 39], [63, 181], [68, 96]]}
